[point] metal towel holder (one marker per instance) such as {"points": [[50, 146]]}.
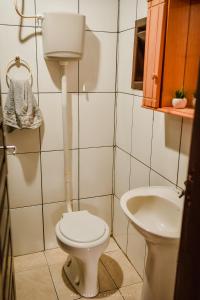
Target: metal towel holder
{"points": [[18, 62]]}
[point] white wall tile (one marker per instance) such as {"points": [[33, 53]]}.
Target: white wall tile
{"points": [[127, 15], [97, 67], [124, 121], [96, 171], [50, 72], [58, 5], [96, 11], [17, 44], [99, 206], [141, 9], [165, 146], [52, 127], [156, 179], [125, 54], [96, 111], [141, 131], [185, 151], [53, 175], [8, 14], [136, 249], [122, 172], [25, 140], [24, 180], [139, 174], [120, 224], [52, 214], [27, 231]]}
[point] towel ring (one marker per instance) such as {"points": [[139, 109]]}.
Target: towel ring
{"points": [[18, 62]]}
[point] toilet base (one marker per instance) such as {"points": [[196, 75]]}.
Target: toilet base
{"points": [[82, 276]]}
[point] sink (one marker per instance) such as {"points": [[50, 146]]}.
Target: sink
{"points": [[156, 212]]}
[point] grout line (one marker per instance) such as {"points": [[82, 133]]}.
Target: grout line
{"points": [[17, 25], [59, 202], [129, 262], [99, 196], [101, 31], [98, 92], [151, 151], [132, 156], [131, 138], [179, 152], [131, 94], [40, 140], [51, 276], [128, 29], [71, 92], [115, 120], [79, 179], [59, 150]]}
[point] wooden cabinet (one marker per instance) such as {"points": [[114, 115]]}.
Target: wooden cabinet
{"points": [[154, 50], [172, 53]]}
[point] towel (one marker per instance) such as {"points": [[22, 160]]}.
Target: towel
{"points": [[21, 109]]}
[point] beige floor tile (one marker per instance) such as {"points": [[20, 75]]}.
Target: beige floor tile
{"points": [[120, 269], [56, 256], [132, 292], [62, 285], [111, 295], [112, 246], [106, 283], [30, 261], [35, 284]]}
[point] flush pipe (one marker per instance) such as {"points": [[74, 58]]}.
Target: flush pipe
{"points": [[67, 137]]}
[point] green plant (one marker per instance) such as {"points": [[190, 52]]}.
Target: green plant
{"points": [[180, 94]]}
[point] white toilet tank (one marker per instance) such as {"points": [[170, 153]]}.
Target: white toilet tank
{"points": [[63, 35]]}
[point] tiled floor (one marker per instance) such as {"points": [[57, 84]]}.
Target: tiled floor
{"points": [[40, 276]]}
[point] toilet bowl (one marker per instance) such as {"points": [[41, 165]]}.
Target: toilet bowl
{"points": [[84, 237]]}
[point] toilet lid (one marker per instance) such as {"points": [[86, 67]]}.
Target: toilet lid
{"points": [[82, 227]]}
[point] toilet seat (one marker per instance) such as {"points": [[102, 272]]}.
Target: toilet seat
{"points": [[82, 227]]}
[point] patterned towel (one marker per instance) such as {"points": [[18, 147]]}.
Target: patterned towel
{"points": [[21, 109]]}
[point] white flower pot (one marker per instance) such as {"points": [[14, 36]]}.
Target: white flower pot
{"points": [[179, 102]]}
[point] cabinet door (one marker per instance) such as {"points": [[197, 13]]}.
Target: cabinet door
{"points": [[178, 21], [154, 49]]}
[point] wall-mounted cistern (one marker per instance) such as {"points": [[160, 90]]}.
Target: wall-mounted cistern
{"points": [[63, 40]]}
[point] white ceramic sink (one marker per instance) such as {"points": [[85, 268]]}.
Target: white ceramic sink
{"points": [[156, 212]]}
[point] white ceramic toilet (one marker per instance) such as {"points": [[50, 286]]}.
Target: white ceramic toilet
{"points": [[84, 237]]}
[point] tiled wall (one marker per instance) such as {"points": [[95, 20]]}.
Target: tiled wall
{"points": [[35, 174], [151, 148]]}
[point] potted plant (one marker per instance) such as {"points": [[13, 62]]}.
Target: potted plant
{"points": [[180, 100]]}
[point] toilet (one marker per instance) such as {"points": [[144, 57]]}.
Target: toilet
{"points": [[84, 237]]}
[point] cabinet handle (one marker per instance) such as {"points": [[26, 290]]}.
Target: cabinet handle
{"points": [[11, 148], [154, 76]]}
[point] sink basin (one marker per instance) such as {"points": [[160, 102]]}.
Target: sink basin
{"points": [[156, 212]]}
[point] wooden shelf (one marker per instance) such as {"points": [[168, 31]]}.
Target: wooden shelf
{"points": [[184, 112], [181, 112]]}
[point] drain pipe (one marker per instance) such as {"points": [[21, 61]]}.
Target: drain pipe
{"points": [[67, 137]]}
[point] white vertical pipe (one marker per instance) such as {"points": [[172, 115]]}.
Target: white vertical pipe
{"points": [[67, 137]]}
